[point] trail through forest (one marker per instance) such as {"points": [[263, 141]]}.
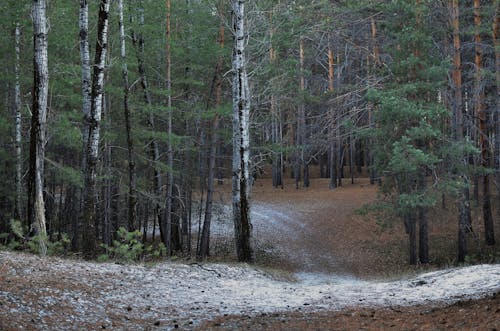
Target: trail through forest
{"points": [[307, 227], [315, 229]]}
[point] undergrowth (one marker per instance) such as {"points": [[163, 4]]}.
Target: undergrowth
{"points": [[128, 247], [58, 244]]}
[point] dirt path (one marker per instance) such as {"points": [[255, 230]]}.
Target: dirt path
{"points": [[310, 227], [60, 294], [315, 233]]}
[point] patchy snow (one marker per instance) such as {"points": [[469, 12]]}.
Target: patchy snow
{"points": [[185, 294]]}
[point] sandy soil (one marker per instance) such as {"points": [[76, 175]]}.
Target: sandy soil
{"points": [[478, 315]]}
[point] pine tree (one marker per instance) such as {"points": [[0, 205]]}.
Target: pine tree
{"points": [[407, 133]]}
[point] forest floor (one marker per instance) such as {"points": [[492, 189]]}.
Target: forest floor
{"points": [[320, 266]]}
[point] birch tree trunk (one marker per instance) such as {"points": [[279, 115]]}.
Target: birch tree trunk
{"points": [[132, 192], [93, 124], [83, 23], [241, 138], [36, 205], [18, 124], [86, 77]]}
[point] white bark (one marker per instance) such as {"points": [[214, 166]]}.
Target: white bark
{"points": [[86, 77], [39, 121], [241, 137], [93, 123], [18, 124]]}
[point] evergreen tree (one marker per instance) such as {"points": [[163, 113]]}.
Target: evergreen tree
{"points": [[408, 116]]}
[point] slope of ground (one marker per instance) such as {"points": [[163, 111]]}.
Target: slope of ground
{"points": [[483, 314], [320, 230], [318, 260], [58, 294]]}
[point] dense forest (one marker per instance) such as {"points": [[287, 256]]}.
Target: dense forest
{"points": [[119, 119]]}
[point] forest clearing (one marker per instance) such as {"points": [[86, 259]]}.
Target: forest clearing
{"points": [[317, 274], [250, 164]]}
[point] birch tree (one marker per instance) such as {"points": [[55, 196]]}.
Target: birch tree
{"points": [[86, 76], [18, 125], [93, 124], [36, 205], [241, 138], [83, 23]]}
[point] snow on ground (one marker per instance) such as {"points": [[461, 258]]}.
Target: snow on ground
{"points": [[190, 293]]}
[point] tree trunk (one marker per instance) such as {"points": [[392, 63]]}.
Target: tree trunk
{"points": [[86, 104], [457, 124], [332, 153], [106, 215], [93, 124], [496, 42], [412, 238], [36, 205], [204, 248], [107, 194], [86, 76], [483, 127], [170, 162], [241, 138], [423, 224], [18, 124], [301, 119], [277, 166], [138, 42], [132, 191]]}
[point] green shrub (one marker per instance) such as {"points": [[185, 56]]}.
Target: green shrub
{"points": [[17, 239], [128, 248]]}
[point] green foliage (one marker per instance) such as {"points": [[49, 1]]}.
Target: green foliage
{"points": [[18, 240], [409, 142], [129, 248]]}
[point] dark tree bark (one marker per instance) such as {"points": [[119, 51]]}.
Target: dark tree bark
{"points": [[496, 114], [277, 166], [332, 150], [301, 121], [423, 224], [154, 152], [204, 248], [170, 156], [483, 127], [412, 237], [132, 178], [457, 124]]}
